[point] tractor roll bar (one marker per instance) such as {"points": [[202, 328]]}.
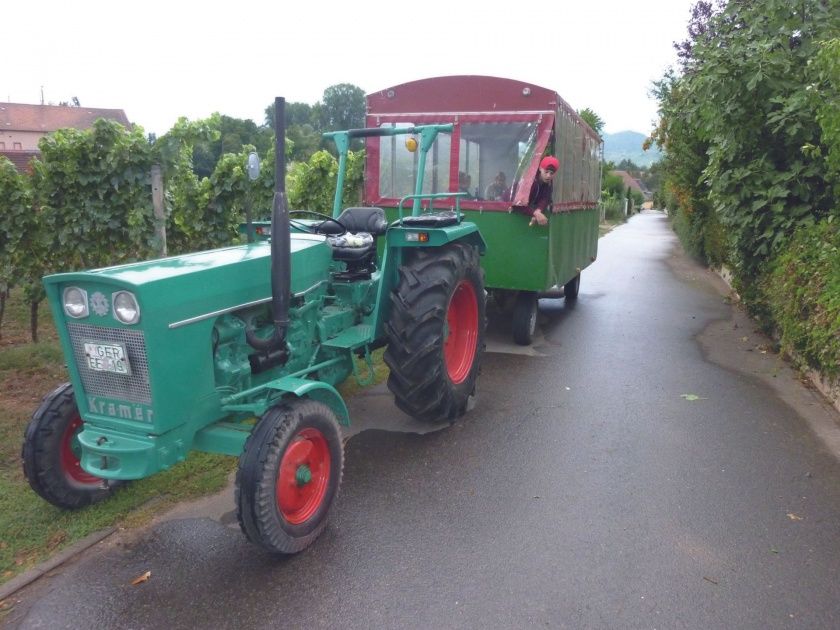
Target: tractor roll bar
{"points": [[427, 134], [371, 132]]}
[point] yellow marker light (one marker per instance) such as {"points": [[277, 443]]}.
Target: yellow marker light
{"points": [[417, 237], [411, 143]]}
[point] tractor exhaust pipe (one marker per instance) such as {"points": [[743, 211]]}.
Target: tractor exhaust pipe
{"points": [[272, 351]]}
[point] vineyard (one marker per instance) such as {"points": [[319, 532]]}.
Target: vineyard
{"points": [[87, 202]]}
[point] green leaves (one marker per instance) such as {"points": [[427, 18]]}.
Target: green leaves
{"points": [[93, 191], [312, 183], [824, 94], [15, 221], [735, 123], [88, 202], [808, 276]]}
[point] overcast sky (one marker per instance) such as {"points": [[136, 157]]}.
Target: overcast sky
{"points": [[161, 60]]}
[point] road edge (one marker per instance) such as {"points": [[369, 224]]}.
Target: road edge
{"points": [[829, 390], [27, 577]]}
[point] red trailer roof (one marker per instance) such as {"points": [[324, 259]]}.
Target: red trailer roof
{"points": [[466, 93]]}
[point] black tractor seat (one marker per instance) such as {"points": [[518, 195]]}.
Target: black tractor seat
{"points": [[432, 219], [357, 246], [351, 247], [370, 220]]}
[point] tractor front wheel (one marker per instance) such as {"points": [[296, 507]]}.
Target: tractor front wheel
{"points": [[51, 454], [288, 476], [436, 332]]}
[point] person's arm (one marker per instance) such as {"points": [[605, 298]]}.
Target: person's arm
{"points": [[539, 205]]}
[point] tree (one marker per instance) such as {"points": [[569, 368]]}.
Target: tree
{"points": [[592, 119], [612, 185], [295, 114], [233, 134], [744, 147], [700, 30], [305, 141], [343, 107], [628, 165], [825, 98]]}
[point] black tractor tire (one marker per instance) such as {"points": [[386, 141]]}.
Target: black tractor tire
{"points": [[524, 318], [571, 288], [50, 454], [289, 475], [436, 332]]}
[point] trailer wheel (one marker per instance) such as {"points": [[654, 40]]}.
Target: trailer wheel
{"points": [[288, 476], [51, 452], [524, 318], [571, 288], [504, 299], [436, 332]]}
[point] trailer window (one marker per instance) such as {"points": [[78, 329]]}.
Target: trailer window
{"points": [[398, 166], [469, 174], [490, 152]]}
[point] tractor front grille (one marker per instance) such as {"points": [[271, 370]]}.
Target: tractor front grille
{"points": [[133, 387]]}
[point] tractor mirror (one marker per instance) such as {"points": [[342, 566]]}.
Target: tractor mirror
{"points": [[253, 165]]}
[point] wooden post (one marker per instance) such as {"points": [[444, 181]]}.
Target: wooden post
{"points": [[160, 214]]}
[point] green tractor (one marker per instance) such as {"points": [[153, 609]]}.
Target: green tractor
{"points": [[238, 351]]}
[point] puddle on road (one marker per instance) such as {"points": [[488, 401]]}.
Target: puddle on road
{"points": [[737, 346]]}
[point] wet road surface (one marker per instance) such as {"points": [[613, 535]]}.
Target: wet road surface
{"points": [[646, 464]]}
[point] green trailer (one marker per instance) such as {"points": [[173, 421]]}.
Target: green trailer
{"points": [[502, 128]]}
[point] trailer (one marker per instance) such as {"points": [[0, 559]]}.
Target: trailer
{"points": [[501, 130]]}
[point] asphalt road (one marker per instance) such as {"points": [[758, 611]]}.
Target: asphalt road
{"points": [[648, 463]]}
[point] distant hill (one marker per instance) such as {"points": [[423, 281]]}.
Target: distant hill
{"points": [[628, 145]]}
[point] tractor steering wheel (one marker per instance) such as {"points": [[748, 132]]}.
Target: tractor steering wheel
{"points": [[316, 229]]}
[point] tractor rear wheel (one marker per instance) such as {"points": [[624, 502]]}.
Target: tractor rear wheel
{"points": [[51, 453], [436, 332], [289, 475]]}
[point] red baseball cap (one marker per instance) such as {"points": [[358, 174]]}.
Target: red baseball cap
{"points": [[550, 162]]}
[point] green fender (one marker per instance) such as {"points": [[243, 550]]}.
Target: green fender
{"points": [[316, 390]]}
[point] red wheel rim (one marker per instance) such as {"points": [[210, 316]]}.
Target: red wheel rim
{"points": [[304, 476], [70, 451], [462, 338]]}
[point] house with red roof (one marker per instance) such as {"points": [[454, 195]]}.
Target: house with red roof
{"points": [[633, 183], [22, 126]]}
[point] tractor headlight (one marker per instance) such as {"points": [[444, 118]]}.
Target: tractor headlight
{"points": [[75, 302], [126, 309]]}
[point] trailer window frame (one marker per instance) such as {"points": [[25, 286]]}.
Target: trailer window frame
{"points": [[544, 121]]}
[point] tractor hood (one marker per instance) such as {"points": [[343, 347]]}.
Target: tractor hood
{"points": [[171, 290], [132, 376]]}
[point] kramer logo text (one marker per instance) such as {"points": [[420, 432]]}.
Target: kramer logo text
{"points": [[120, 410]]}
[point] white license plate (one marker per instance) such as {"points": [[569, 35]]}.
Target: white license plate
{"points": [[107, 357]]}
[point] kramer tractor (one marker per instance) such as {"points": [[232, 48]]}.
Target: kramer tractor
{"points": [[238, 350]]}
